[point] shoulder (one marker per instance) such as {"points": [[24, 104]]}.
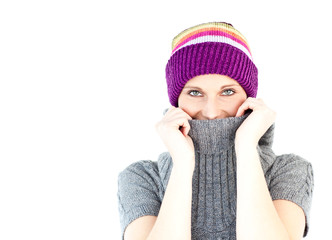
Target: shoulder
{"points": [[293, 164], [139, 192], [139, 166], [144, 170], [292, 180], [148, 167], [292, 176], [292, 167]]}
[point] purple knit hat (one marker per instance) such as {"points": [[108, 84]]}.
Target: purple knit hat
{"points": [[210, 48]]}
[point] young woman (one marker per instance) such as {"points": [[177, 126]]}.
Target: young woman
{"points": [[220, 178]]}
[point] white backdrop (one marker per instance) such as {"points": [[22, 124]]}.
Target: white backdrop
{"points": [[83, 84]]}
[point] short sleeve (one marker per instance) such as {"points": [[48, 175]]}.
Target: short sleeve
{"points": [[292, 180], [138, 192]]}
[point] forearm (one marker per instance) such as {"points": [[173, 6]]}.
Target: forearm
{"points": [[257, 217], [174, 218]]}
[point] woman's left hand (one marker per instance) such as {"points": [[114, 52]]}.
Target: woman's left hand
{"points": [[256, 124]]}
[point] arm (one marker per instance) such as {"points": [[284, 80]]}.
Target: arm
{"points": [[174, 218], [258, 217]]}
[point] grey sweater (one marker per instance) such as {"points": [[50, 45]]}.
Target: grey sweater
{"points": [[141, 186]]}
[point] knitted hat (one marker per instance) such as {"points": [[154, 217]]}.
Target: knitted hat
{"points": [[210, 48]]}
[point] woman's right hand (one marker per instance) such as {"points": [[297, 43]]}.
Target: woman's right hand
{"points": [[173, 130]]}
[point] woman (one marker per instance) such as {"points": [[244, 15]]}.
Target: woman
{"points": [[220, 178]]}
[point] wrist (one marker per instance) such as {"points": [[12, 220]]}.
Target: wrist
{"points": [[245, 145], [184, 165]]}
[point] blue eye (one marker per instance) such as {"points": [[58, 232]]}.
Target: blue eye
{"points": [[195, 93], [228, 92]]}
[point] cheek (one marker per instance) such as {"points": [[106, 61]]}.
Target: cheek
{"points": [[190, 107], [232, 105], [238, 103]]}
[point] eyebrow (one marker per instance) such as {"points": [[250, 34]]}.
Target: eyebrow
{"points": [[222, 87], [192, 87]]}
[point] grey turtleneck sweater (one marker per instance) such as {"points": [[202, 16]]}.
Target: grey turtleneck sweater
{"points": [[142, 184]]}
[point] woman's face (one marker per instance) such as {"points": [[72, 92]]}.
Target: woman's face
{"points": [[211, 96]]}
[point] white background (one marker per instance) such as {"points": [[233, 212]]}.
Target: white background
{"points": [[83, 84]]}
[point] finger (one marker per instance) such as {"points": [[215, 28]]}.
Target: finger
{"points": [[178, 112], [188, 116], [168, 110], [240, 112], [247, 104], [185, 128], [178, 118], [186, 125]]}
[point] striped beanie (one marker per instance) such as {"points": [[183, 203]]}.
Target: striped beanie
{"points": [[210, 48]]}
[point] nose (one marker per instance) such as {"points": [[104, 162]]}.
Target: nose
{"points": [[211, 110]]}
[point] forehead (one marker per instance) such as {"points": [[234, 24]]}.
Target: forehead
{"points": [[211, 79]]}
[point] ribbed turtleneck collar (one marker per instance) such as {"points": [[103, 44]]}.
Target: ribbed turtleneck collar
{"points": [[214, 136]]}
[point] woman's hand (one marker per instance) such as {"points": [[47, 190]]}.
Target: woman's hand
{"points": [[256, 124], [173, 130]]}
